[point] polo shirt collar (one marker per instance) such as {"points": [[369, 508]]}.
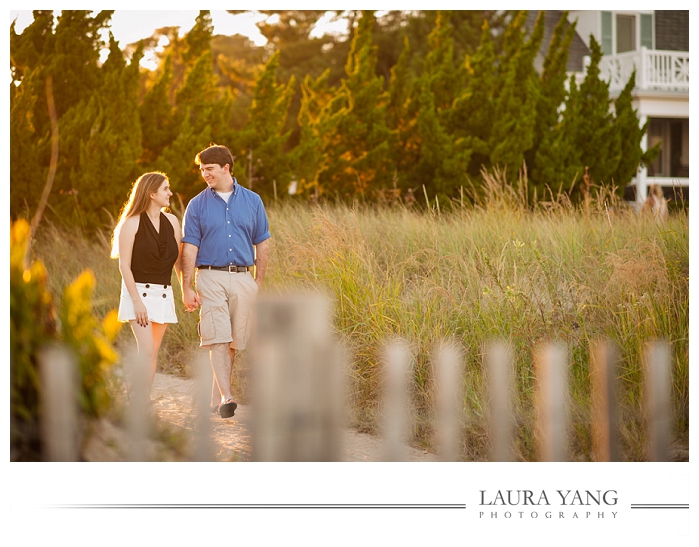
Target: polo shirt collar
{"points": [[234, 189]]}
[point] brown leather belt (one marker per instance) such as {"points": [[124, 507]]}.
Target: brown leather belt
{"points": [[229, 269]]}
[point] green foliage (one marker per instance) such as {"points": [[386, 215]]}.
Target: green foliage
{"points": [[357, 137], [445, 76], [401, 118], [198, 40], [515, 105], [157, 120], [597, 139], [473, 111], [25, 146], [630, 136], [263, 139], [443, 156], [547, 157], [443, 160], [557, 161], [111, 144], [312, 121], [196, 104], [424, 100], [34, 324]]}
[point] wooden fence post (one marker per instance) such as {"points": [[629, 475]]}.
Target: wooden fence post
{"points": [[500, 388], [448, 368], [298, 380], [201, 436], [604, 358], [396, 420], [136, 370], [658, 389], [59, 413], [551, 366]]}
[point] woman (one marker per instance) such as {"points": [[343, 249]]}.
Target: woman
{"points": [[147, 242]]}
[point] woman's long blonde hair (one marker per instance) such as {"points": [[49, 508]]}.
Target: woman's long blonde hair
{"points": [[138, 201]]}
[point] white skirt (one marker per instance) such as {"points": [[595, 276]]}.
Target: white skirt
{"points": [[158, 299]]}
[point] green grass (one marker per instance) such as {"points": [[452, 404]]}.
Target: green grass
{"points": [[497, 269]]}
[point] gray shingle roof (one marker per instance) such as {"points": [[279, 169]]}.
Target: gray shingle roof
{"points": [[578, 49]]}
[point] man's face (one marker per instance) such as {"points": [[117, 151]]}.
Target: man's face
{"points": [[217, 177]]}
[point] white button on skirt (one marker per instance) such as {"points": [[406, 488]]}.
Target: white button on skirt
{"points": [[158, 299]]}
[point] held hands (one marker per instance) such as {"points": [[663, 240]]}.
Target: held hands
{"points": [[191, 299], [141, 313]]}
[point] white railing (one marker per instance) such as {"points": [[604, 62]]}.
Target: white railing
{"points": [[655, 69]]}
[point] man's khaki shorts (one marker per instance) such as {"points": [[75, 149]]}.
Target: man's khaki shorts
{"points": [[227, 306]]}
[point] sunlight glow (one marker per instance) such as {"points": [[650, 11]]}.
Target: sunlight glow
{"points": [[129, 26]]}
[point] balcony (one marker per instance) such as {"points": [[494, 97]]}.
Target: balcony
{"points": [[655, 70]]}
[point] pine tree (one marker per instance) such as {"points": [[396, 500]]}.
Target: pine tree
{"points": [[315, 119], [443, 160], [551, 99], [446, 77], [557, 161], [264, 137], [157, 120], [70, 55], [630, 134], [28, 49], [198, 40], [515, 106], [74, 63], [196, 109], [443, 156], [110, 150], [598, 141], [401, 117], [359, 142], [473, 112], [26, 185]]}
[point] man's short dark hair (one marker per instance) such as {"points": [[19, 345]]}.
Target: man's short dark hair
{"points": [[215, 153]]}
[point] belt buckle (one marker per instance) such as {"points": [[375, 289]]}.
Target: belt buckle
{"points": [[232, 269]]}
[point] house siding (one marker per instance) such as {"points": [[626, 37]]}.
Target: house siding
{"points": [[672, 30]]}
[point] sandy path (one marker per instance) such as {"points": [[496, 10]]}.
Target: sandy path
{"points": [[173, 402]]}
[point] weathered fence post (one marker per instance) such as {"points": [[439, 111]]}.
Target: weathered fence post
{"points": [[500, 387], [396, 420], [551, 367], [448, 369], [298, 378], [604, 358], [138, 420], [201, 436], [59, 413], [658, 389]]}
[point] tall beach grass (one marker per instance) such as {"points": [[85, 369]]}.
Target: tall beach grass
{"points": [[500, 269]]}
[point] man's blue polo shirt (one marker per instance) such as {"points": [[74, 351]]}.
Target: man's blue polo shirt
{"points": [[225, 232]]}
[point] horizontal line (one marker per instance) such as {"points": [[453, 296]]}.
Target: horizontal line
{"points": [[661, 506], [259, 506]]}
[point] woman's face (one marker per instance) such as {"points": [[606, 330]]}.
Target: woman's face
{"points": [[162, 196]]}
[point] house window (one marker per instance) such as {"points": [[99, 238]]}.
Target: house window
{"points": [[673, 134], [622, 32], [625, 33]]}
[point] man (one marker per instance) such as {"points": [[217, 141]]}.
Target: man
{"points": [[224, 226]]}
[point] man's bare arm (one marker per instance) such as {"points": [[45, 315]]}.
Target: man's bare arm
{"points": [[189, 260], [261, 261]]}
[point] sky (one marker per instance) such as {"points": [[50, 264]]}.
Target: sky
{"points": [[129, 26]]}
